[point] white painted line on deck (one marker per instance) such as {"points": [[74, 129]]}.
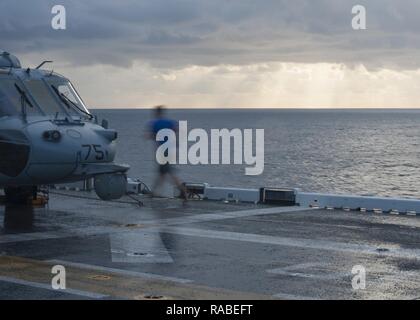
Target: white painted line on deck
{"points": [[98, 230], [293, 242], [87, 294], [226, 215], [119, 271]]}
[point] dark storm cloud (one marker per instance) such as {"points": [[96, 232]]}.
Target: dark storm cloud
{"points": [[175, 33]]}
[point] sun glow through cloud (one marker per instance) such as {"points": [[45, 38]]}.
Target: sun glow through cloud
{"points": [[267, 85]]}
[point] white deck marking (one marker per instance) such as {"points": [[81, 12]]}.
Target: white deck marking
{"points": [[225, 215], [98, 230], [169, 226], [119, 271], [293, 242], [88, 294]]}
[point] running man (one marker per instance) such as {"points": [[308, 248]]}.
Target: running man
{"points": [[161, 122]]}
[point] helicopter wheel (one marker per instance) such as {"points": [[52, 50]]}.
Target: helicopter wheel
{"points": [[20, 195]]}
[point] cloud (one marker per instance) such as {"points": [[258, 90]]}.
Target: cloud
{"points": [[176, 33], [225, 53]]}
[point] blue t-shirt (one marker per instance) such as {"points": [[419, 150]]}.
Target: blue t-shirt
{"points": [[159, 124]]}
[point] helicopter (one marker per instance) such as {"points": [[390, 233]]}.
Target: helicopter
{"points": [[48, 136]]}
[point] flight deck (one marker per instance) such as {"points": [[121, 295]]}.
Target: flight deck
{"points": [[165, 249]]}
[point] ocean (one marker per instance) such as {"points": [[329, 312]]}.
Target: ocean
{"points": [[364, 152]]}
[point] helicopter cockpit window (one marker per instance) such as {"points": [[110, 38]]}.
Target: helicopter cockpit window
{"points": [[69, 96], [11, 99], [39, 91]]}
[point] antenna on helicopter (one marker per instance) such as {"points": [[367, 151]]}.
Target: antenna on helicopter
{"points": [[44, 62]]}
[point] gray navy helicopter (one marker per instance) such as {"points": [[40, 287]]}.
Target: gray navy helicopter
{"points": [[48, 136]]}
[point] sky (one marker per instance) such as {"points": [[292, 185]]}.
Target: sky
{"points": [[224, 53]]}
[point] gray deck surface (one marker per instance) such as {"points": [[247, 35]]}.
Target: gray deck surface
{"points": [[205, 250]]}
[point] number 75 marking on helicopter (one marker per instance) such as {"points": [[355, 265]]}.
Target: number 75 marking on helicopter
{"points": [[94, 150]]}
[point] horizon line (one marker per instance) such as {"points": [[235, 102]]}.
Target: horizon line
{"points": [[261, 108]]}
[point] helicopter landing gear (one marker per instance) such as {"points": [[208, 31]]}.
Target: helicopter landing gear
{"points": [[20, 195]]}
